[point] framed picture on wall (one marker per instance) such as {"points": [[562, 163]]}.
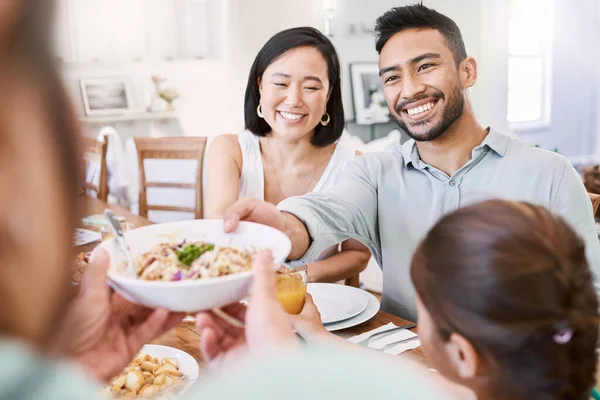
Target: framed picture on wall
{"points": [[367, 94], [106, 96]]}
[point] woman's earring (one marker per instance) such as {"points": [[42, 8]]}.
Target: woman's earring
{"points": [[259, 111], [325, 121]]}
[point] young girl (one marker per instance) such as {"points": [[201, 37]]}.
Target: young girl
{"points": [[506, 303]]}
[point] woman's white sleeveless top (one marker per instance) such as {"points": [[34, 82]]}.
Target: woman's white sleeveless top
{"points": [[252, 181]]}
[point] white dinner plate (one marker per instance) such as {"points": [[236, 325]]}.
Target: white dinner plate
{"points": [[337, 302], [369, 312]]}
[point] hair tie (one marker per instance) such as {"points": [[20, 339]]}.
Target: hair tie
{"points": [[563, 332]]}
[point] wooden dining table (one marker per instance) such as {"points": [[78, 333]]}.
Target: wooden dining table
{"points": [[185, 336]]}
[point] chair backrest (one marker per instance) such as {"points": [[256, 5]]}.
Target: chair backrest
{"points": [[95, 168], [595, 199], [174, 148]]}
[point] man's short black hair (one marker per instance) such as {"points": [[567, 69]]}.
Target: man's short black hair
{"points": [[275, 47], [419, 17]]}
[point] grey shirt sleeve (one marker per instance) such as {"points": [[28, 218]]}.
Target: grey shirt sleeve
{"points": [[572, 202], [347, 210]]}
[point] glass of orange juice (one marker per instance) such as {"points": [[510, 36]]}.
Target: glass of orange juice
{"points": [[291, 288]]}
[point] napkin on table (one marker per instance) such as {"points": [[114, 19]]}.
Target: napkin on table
{"points": [[380, 342], [85, 236]]}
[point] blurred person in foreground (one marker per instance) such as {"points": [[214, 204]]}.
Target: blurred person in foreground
{"points": [[54, 345]]}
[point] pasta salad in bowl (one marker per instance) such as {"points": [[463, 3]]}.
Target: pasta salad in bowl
{"points": [[191, 266]]}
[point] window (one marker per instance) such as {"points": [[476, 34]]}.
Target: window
{"points": [[529, 63]]}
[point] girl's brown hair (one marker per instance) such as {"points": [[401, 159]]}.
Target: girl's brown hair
{"points": [[513, 279]]}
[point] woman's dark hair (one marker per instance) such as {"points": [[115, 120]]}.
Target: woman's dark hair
{"points": [[508, 277], [275, 47], [419, 17], [28, 57]]}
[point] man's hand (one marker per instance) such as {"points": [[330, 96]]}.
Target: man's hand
{"points": [[262, 212]]}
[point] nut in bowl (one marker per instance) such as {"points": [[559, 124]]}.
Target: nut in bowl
{"points": [[191, 266], [157, 372]]}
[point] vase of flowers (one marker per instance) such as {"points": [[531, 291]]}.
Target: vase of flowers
{"points": [[169, 95], [165, 93]]}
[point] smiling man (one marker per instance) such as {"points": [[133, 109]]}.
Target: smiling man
{"points": [[389, 201]]}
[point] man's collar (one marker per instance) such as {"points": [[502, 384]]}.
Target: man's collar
{"points": [[494, 140], [410, 154]]}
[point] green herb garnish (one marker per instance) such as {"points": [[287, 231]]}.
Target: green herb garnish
{"points": [[191, 252]]}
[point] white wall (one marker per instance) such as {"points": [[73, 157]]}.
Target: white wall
{"points": [[216, 88], [203, 85], [212, 92]]}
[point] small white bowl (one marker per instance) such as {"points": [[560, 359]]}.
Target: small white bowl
{"points": [[188, 366], [193, 295]]}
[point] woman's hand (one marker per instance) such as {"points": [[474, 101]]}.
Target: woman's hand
{"points": [[266, 323], [102, 330]]}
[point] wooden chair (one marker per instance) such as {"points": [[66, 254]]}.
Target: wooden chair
{"points": [[94, 153], [174, 148], [595, 199]]}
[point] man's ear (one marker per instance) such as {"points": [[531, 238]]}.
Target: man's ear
{"points": [[467, 71]]}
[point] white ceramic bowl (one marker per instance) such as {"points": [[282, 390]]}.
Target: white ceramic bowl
{"points": [[193, 295], [187, 364]]}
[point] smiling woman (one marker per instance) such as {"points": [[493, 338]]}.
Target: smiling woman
{"points": [[294, 117], [316, 71]]}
